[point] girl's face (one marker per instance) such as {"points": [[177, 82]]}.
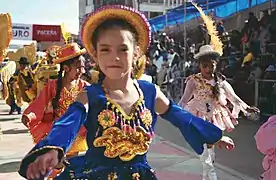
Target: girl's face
{"points": [[116, 53], [76, 69], [207, 67]]}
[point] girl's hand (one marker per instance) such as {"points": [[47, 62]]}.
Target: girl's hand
{"points": [[253, 110], [25, 121], [227, 143], [42, 165]]}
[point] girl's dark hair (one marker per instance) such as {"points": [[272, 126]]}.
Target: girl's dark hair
{"points": [[217, 75], [59, 80], [113, 23]]}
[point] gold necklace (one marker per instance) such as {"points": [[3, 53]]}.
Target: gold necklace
{"points": [[114, 114]]}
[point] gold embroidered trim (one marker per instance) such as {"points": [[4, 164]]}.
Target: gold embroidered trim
{"points": [[112, 176]]}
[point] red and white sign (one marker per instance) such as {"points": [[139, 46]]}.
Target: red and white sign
{"points": [[46, 32], [22, 31]]}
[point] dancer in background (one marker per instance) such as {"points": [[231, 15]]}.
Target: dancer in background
{"points": [[55, 98], [24, 79], [207, 93], [206, 96]]}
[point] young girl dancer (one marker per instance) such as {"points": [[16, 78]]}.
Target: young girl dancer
{"points": [[118, 112], [55, 98], [206, 95]]}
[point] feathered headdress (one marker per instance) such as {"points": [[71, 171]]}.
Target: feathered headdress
{"points": [[212, 30], [66, 35], [5, 34]]}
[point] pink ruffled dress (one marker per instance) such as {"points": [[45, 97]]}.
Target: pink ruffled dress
{"points": [[266, 144], [198, 99]]}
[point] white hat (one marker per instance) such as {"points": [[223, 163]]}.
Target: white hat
{"points": [[205, 50]]}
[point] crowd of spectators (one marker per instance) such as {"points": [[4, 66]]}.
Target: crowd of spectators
{"points": [[249, 54]]}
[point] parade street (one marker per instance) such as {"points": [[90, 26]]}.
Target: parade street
{"points": [[169, 155]]}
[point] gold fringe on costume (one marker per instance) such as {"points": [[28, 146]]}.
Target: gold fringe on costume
{"points": [[212, 30]]}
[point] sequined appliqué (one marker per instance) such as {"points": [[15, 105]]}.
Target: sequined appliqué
{"points": [[136, 176], [125, 144], [107, 118]]}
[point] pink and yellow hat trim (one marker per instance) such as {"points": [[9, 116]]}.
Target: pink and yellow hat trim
{"points": [[135, 18]]}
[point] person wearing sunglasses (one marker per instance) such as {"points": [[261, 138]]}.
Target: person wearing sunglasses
{"points": [[207, 95]]}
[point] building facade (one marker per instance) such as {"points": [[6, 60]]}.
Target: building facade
{"points": [[151, 8]]}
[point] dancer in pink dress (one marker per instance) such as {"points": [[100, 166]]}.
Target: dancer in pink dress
{"points": [[206, 95]]}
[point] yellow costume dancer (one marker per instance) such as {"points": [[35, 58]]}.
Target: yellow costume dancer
{"points": [[45, 69], [25, 81]]}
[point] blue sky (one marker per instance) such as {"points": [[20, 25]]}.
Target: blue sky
{"points": [[52, 12]]}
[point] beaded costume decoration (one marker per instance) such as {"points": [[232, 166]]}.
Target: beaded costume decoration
{"points": [[125, 136]]}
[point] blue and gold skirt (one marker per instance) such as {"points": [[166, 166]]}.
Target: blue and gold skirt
{"points": [[77, 170]]}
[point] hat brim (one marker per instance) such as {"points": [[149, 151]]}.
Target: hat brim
{"points": [[198, 55], [61, 60], [137, 20]]}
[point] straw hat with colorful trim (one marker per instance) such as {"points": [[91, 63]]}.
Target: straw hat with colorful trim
{"points": [[67, 52], [135, 18]]}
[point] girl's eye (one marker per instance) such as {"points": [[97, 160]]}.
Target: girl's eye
{"points": [[124, 49], [104, 50]]}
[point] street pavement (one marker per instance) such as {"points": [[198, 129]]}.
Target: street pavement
{"points": [[169, 155]]}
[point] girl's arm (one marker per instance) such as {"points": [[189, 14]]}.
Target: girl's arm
{"points": [[36, 110], [195, 130], [62, 134], [188, 93], [238, 104]]}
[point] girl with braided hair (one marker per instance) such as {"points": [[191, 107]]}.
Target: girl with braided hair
{"points": [[206, 96], [207, 93], [55, 98]]}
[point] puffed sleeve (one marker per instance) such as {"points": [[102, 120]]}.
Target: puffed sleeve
{"points": [[40, 122], [238, 104], [195, 130], [38, 106], [60, 137]]}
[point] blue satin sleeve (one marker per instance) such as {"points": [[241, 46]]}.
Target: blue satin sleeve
{"points": [[195, 130], [61, 136]]}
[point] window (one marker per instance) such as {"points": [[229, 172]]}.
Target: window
{"points": [[157, 1], [89, 2], [154, 14]]}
